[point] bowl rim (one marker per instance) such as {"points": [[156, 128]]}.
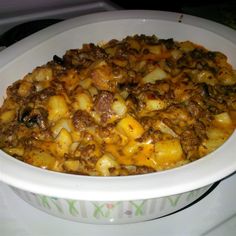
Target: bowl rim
{"points": [[189, 177]]}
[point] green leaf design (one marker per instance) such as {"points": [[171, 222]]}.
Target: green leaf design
{"points": [[174, 200], [138, 207], [98, 210], [56, 204], [72, 208], [44, 201]]}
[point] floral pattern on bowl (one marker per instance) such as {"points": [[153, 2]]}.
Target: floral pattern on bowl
{"points": [[111, 212]]}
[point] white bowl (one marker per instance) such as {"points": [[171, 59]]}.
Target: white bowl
{"points": [[114, 199]]}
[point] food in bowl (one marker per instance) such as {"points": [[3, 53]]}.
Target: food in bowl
{"points": [[133, 106]]}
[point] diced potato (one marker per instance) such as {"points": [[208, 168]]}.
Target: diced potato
{"points": [[187, 46], [18, 151], [72, 165], [102, 77], [223, 119], [133, 153], [119, 106], [207, 77], [105, 163], [233, 115], [76, 136], [130, 127], [86, 83], [83, 101], [63, 141], [137, 148], [44, 73], [73, 147], [57, 108], [155, 104], [70, 79], [176, 54], [155, 49], [120, 63], [131, 148], [93, 91], [7, 116], [24, 89], [40, 74], [9, 104], [168, 152], [134, 43], [156, 74], [164, 128], [39, 86], [216, 137], [65, 123], [226, 76], [124, 94], [40, 158]]}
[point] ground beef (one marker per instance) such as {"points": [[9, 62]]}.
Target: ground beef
{"points": [[190, 142], [194, 109], [103, 101], [82, 120]]}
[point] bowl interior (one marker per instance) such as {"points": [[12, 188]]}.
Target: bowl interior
{"points": [[21, 58]]}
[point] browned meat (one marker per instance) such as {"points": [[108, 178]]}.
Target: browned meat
{"points": [[82, 120], [103, 104], [87, 151], [194, 109], [46, 93], [190, 142], [84, 57]]}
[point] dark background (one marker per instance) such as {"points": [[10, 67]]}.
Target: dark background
{"points": [[223, 11]]}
